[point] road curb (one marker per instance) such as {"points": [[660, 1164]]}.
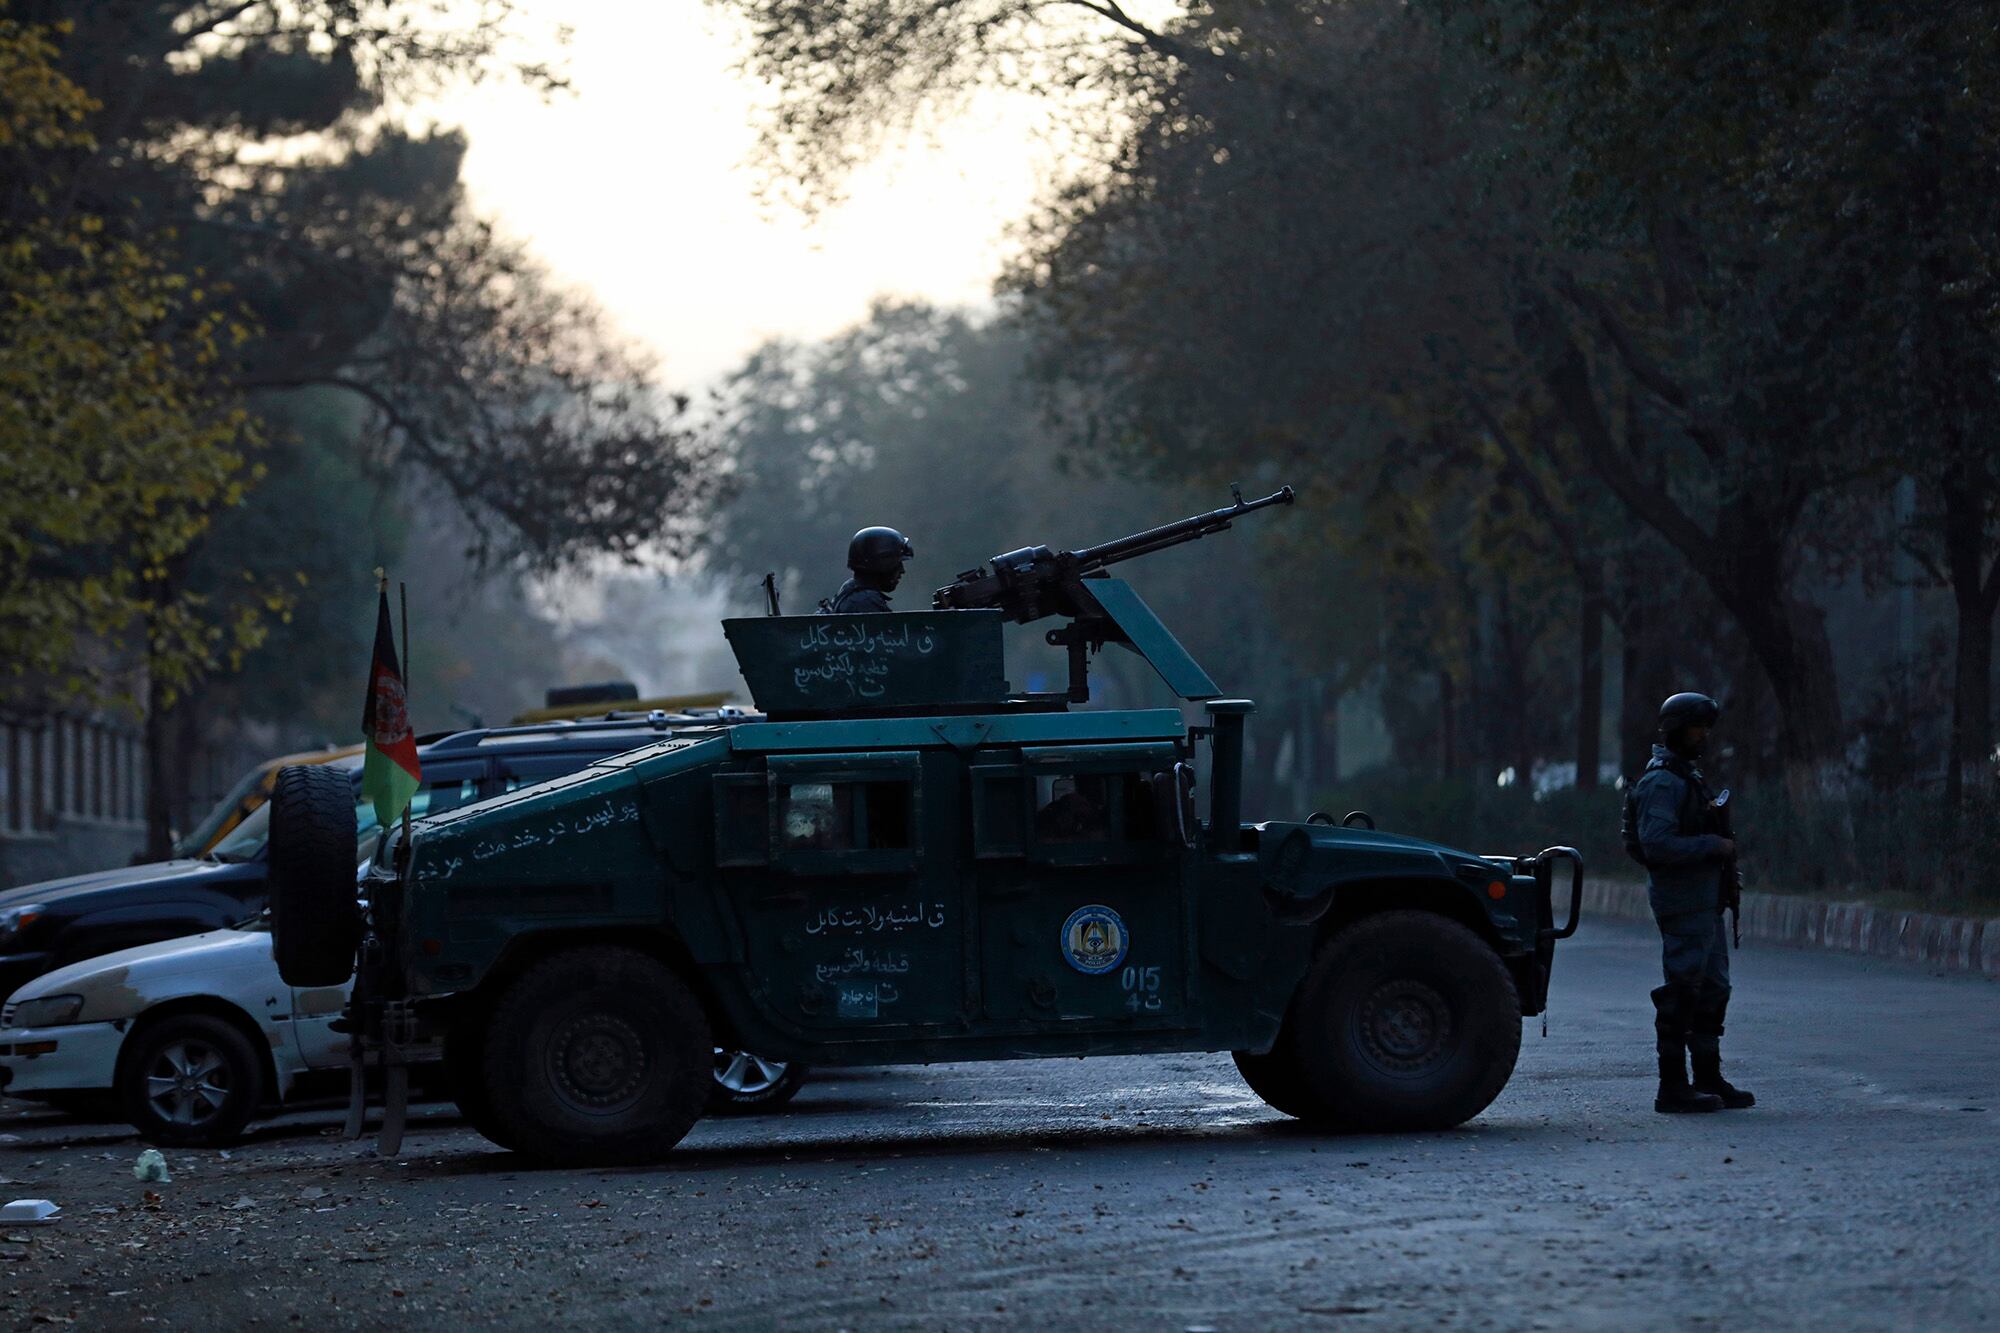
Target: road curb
{"points": [[1954, 943]]}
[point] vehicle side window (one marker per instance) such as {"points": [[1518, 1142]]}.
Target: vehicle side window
{"points": [[844, 816], [1095, 807], [823, 814], [1073, 807], [446, 796], [1084, 804]]}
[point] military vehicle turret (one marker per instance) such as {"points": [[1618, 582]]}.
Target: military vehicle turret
{"points": [[905, 860]]}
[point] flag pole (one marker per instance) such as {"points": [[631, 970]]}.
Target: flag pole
{"points": [[403, 598]]}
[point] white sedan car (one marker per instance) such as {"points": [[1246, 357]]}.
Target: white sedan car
{"points": [[194, 1036]]}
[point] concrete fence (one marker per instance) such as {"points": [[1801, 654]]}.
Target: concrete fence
{"points": [[1953, 943]]}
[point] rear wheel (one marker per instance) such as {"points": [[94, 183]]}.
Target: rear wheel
{"points": [[1406, 1021], [315, 920], [190, 1079], [746, 1083], [596, 1056]]}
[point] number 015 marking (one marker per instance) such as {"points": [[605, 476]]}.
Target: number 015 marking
{"points": [[1142, 988]]}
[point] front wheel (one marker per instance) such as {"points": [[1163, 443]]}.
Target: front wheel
{"points": [[1406, 1021], [191, 1080], [596, 1056]]}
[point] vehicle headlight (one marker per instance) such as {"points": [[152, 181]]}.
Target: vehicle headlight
{"points": [[47, 1011], [15, 920]]}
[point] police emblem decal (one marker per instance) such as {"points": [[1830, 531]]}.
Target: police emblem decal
{"points": [[1094, 940]]}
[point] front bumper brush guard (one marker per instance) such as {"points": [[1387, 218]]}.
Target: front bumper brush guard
{"points": [[389, 1032]]}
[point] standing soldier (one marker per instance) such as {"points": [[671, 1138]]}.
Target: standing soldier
{"points": [[1674, 827], [876, 557]]}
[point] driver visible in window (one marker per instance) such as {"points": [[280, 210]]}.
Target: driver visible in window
{"points": [[812, 819], [1076, 811]]}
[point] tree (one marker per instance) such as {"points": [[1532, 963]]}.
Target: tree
{"points": [[257, 154], [124, 435], [1586, 258], [269, 137], [1889, 169], [1816, 182], [124, 445]]}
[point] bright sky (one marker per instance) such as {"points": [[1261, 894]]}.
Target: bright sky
{"points": [[636, 187]]}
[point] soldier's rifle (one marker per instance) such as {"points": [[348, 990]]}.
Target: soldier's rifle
{"points": [[1732, 869]]}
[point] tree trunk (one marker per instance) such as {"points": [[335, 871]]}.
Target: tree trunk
{"points": [[1975, 591], [1590, 693], [1329, 738], [1972, 703], [1642, 676], [186, 758], [1447, 726], [1790, 642], [1512, 734], [159, 773], [1741, 560]]}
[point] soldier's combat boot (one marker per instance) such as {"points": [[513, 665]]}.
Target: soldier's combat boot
{"points": [[1670, 1029], [1708, 1079], [1705, 1054]]}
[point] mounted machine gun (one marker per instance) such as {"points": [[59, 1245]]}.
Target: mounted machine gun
{"points": [[1034, 582]]}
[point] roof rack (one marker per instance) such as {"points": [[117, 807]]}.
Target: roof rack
{"points": [[654, 720]]}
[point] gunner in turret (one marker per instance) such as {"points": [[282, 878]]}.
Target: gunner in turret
{"points": [[876, 557]]}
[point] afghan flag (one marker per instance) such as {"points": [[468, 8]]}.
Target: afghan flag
{"points": [[389, 770]]}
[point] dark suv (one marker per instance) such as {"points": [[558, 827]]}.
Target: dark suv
{"points": [[61, 921]]}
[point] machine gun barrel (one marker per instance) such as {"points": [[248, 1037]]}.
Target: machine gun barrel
{"points": [[1093, 558], [1036, 581]]}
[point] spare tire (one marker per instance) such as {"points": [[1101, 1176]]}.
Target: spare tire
{"points": [[315, 921]]}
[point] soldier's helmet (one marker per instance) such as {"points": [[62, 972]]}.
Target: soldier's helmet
{"points": [[1688, 709], [878, 551]]}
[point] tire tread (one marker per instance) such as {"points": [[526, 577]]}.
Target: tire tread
{"points": [[315, 920]]}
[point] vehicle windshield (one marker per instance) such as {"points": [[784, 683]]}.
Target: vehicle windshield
{"points": [[223, 810]]}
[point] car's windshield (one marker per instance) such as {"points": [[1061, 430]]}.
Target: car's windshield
{"points": [[221, 811], [247, 839]]}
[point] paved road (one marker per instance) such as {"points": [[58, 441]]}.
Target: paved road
{"points": [[1154, 1192]]}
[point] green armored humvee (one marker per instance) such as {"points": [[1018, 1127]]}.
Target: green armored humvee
{"points": [[903, 861]]}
